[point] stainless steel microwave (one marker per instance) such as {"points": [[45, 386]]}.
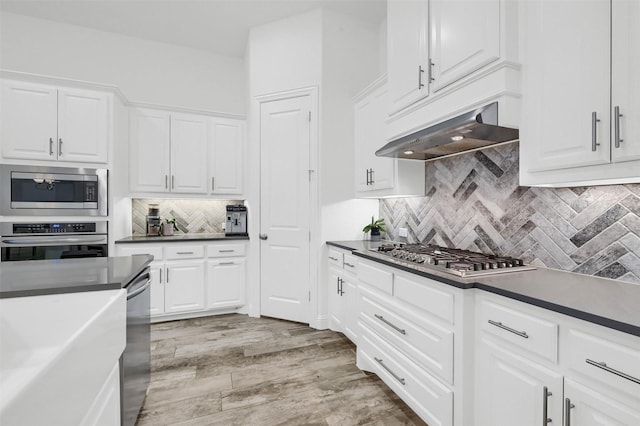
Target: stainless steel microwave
{"points": [[52, 191]]}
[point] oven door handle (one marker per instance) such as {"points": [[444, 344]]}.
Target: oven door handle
{"points": [[56, 240]]}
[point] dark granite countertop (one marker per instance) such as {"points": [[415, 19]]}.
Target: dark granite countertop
{"points": [[611, 303], [40, 277], [181, 238]]}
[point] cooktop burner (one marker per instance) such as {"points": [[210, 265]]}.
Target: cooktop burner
{"points": [[463, 263]]}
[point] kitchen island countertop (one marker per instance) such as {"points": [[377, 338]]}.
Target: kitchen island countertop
{"points": [[180, 238], [611, 303], [40, 277]]}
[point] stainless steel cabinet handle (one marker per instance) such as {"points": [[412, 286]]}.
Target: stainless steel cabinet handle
{"points": [[263, 236], [371, 181], [349, 264], [567, 411], [335, 259], [616, 124], [226, 251], [545, 406], [395, 376], [167, 275], [395, 327], [341, 287], [213, 183], [594, 130], [420, 71], [512, 330], [608, 369], [160, 276], [173, 182], [226, 263], [184, 252], [431, 71], [368, 177], [166, 182], [50, 146], [59, 147], [338, 285]]}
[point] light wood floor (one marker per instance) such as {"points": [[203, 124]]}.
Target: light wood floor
{"points": [[237, 370]]}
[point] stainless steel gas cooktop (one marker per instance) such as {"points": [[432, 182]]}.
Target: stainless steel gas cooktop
{"points": [[462, 263]]}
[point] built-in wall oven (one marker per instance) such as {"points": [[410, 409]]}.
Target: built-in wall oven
{"points": [[52, 240], [52, 191]]}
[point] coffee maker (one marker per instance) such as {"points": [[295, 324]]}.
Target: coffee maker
{"points": [[236, 220], [153, 220]]}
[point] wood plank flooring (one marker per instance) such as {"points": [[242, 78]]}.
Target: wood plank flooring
{"points": [[238, 370]]}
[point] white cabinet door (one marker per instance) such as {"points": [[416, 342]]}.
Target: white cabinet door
{"points": [[587, 407], [188, 153], [335, 300], [372, 172], [510, 390], [225, 156], [465, 36], [157, 289], [150, 151], [407, 56], [225, 283], [29, 121], [566, 104], [625, 84], [184, 287], [83, 126], [350, 308]]}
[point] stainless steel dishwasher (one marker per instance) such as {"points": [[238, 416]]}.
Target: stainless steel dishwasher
{"points": [[136, 359]]}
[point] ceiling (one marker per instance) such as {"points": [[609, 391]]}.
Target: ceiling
{"points": [[219, 26]]}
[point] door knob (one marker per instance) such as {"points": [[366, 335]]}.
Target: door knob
{"points": [[263, 236]]}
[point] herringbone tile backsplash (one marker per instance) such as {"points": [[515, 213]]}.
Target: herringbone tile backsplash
{"points": [[192, 216], [473, 202]]}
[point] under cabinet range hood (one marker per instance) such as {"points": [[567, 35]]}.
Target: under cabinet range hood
{"points": [[472, 130]]}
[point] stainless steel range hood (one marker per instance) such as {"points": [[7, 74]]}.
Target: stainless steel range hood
{"points": [[475, 129]]}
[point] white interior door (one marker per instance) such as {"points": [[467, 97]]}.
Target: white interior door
{"points": [[285, 214]]}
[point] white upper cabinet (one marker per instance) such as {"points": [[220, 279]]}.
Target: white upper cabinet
{"points": [[380, 176], [226, 142], [188, 153], [408, 54], [580, 101], [168, 152], [47, 123], [447, 57], [455, 53]]}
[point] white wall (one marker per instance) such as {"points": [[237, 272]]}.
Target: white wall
{"points": [[145, 71]]}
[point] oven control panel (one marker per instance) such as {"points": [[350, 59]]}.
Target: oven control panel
{"points": [[54, 228]]}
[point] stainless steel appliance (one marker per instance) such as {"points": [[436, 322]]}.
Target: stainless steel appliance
{"points": [[52, 191], [236, 220], [52, 240], [473, 130], [136, 359], [462, 263]]}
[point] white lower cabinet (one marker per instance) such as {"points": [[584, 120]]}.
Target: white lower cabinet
{"points": [[191, 279], [534, 366], [342, 293], [105, 410]]}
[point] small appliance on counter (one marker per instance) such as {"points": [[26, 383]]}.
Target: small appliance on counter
{"points": [[153, 220], [236, 220]]}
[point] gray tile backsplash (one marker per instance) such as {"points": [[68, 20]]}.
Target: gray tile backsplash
{"points": [[192, 216], [474, 202]]}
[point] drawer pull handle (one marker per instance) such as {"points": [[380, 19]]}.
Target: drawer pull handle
{"points": [[226, 263], [395, 327], [395, 376], [226, 251], [545, 406], [504, 327], [184, 252], [333, 258], [349, 265], [608, 369]]}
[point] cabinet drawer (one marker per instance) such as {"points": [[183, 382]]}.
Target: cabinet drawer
{"points": [[425, 296], [156, 252], [335, 257], [225, 250], [375, 276], [350, 263], [426, 343], [424, 394], [173, 252], [603, 359], [529, 332]]}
